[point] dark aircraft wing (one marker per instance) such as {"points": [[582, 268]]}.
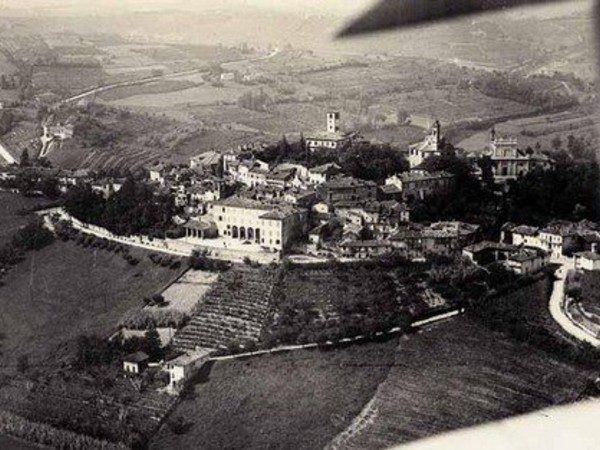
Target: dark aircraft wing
{"points": [[399, 13]]}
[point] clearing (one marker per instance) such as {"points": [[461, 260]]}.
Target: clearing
{"points": [[63, 291]]}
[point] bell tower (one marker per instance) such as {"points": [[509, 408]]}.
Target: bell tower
{"points": [[333, 122]]}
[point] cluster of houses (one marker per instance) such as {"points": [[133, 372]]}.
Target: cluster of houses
{"points": [[239, 200], [179, 369], [579, 241], [526, 249], [65, 178]]}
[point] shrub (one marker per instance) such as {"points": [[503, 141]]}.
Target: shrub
{"points": [[34, 236], [23, 364], [180, 425], [145, 319]]}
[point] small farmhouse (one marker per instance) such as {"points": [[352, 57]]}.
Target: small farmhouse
{"points": [[135, 363]]}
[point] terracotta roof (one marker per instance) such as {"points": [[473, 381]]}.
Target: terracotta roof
{"points": [[327, 136], [348, 182], [525, 230], [371, 244], [242, 202], [408, 176], [326, 168], [526, 254], [390, 189], [137, 357], [202, 226]]}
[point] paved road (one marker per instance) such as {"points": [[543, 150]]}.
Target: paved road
{"points": [[556, 306]]}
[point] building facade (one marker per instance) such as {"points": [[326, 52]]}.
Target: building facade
{"points": [[510, 162], [332, 138], [418, 186], [347, 189], [432, 145], [272, 226]]}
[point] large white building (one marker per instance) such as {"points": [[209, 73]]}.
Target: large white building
{"points": [[272, 226]]}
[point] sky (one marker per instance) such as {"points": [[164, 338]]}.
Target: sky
{"points": [[338, 7], [343, 8]]}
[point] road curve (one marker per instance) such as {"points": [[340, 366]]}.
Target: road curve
{"points": [[557, 310]]}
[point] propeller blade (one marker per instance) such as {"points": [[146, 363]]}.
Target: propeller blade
{"points": [[390, 14]]}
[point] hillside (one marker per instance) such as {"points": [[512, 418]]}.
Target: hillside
{"points": [[297, 400], [460, 374]]}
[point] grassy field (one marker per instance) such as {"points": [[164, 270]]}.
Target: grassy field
{"points": [[197, 95], [299, 400], [459, 374], [154, 88], [64, 291]]}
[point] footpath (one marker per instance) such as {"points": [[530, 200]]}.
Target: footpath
{"points": [[175, 247]]}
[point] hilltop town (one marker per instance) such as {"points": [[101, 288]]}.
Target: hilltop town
{"points": [[238, 245], [236, 206]]}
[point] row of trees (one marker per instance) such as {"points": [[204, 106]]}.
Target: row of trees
{"points": [[538, 92]]}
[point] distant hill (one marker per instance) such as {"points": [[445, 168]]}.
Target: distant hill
{"points": [[497, 41]]}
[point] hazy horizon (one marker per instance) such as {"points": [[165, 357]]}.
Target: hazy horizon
{"points": [[342, 8]]}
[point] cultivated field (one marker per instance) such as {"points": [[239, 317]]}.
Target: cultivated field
{"points": [[63, 291], [313, 305], [459, 374], [299, 400], [175, 98], [154, 88]]}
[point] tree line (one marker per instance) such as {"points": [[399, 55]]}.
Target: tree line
{"points": [[135, 209], [359, 159]]}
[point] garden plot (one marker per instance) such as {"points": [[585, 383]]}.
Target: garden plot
{"points": [[186, 292]]}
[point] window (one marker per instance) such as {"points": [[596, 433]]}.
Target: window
{"points": [[220, 218]]}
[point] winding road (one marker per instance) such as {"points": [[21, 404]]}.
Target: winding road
{"points": [[559, 314]]}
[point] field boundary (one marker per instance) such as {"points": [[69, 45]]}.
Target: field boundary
{"points": [[349, 340]]}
